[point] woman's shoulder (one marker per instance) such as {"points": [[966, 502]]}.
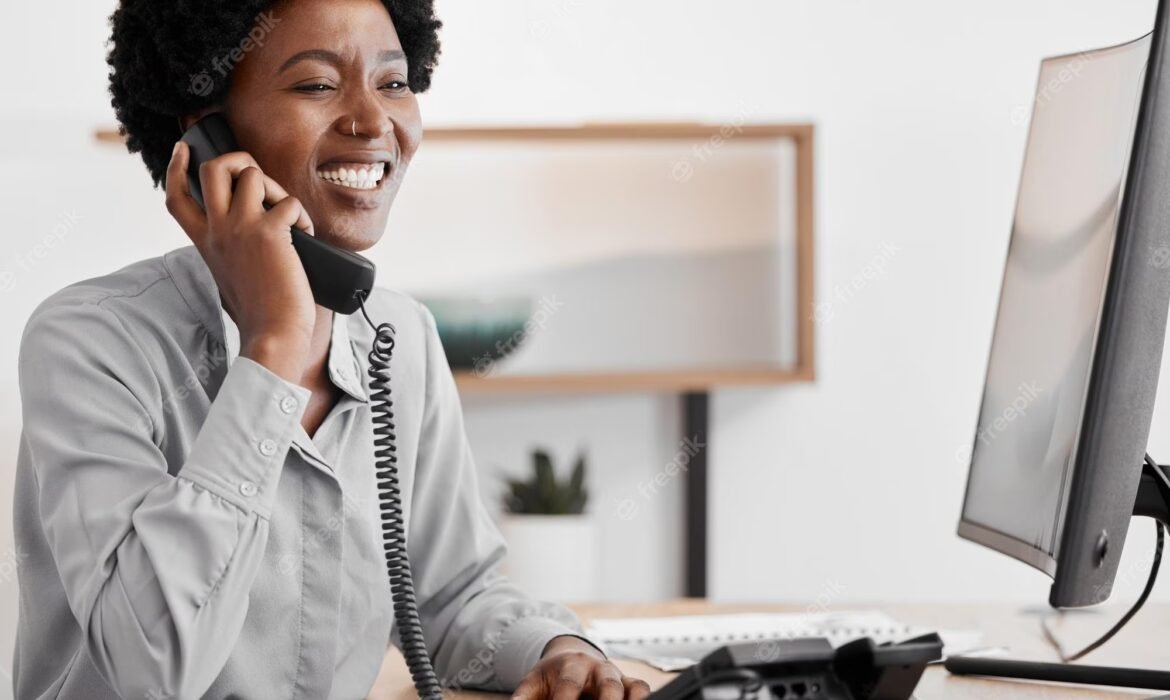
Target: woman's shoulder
{"points": [[127, 282], [109, 312]]}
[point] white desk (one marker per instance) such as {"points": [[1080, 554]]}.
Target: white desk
{"points": [[1144, 643]]}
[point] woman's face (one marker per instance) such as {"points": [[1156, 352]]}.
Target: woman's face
{"points": [[321, 101]]}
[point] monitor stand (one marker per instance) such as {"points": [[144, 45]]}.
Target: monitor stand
{"points": [[1153, 501]]}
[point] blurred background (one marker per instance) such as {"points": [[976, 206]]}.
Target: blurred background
{"points": [[644, 262]]}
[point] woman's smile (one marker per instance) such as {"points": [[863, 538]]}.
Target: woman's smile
{"points": [[358, 179], [357, 176]]}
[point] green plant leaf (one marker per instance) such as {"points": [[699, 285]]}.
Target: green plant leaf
{"points": [[519, 498], [577, 479], [546, 480]]}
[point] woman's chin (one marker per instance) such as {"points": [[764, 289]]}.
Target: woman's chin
{"points": [[352, 240], [354, 232]]}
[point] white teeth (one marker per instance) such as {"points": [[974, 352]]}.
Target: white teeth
{"points": [[364, 178]]}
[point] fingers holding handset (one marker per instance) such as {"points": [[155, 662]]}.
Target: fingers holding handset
{"points": [[248, 250]]}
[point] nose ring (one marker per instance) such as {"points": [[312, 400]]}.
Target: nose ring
{"points": [[354, 127]]}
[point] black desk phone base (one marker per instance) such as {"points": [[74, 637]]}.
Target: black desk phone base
{"points": [[806, 669]]}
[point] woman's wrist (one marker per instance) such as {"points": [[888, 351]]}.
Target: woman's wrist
{"points": [[570, 643], [282, 354]]}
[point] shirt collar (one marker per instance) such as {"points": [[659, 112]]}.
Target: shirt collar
{"points": [[344, 370]]}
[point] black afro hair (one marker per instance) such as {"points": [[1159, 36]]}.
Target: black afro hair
{"points": [[160, 50]]}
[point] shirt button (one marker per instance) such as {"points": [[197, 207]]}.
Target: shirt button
{"points": [[268, 447], [288, 404], [248, 489]]}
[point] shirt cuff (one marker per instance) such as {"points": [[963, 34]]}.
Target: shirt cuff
{"points": [[243, 442], [521, 645]]}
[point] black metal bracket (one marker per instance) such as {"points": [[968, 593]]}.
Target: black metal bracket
{"points": [[696, 424], [1153, 498]]}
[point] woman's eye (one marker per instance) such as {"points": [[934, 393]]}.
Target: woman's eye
{"points": [[317, 88]]}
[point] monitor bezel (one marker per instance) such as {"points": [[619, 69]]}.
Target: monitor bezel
{"points": [[1125, 364], [1123, 381]]}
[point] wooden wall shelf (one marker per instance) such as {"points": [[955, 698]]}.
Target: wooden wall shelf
{"points": [[674, 382]]}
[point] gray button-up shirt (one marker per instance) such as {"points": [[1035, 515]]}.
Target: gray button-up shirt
{"points": [[182, 536]]}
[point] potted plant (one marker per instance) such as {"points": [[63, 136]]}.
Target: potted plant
{"points": [[551, 540]]}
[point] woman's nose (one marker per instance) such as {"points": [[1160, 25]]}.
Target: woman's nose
{"points": [[368, 118]]}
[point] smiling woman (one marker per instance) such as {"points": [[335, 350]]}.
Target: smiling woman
{"points": [[196, 494]]}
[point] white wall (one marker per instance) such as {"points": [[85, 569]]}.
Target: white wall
{"points": [[851, 481]]}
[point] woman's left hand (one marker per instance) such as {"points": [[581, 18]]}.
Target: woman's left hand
{"points": [[571, 668]]}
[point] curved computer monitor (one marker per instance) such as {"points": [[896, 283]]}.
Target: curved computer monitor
{"points": [[1069, 391]]}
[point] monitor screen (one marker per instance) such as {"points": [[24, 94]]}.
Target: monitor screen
{"points": [[1065, 224]]}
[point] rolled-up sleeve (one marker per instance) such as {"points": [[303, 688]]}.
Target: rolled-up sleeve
{"points": [[482, 631], [156, 567]]}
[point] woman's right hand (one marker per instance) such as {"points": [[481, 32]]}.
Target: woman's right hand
{"points": [[250, 254]]}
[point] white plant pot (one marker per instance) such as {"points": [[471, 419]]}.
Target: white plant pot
{"points": [[552, 557]]}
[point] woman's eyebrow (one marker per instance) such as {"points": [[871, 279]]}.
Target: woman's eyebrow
{"points": [[333, 58]]}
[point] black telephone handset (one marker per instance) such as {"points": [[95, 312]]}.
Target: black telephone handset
{"points": [[340, 280]]}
